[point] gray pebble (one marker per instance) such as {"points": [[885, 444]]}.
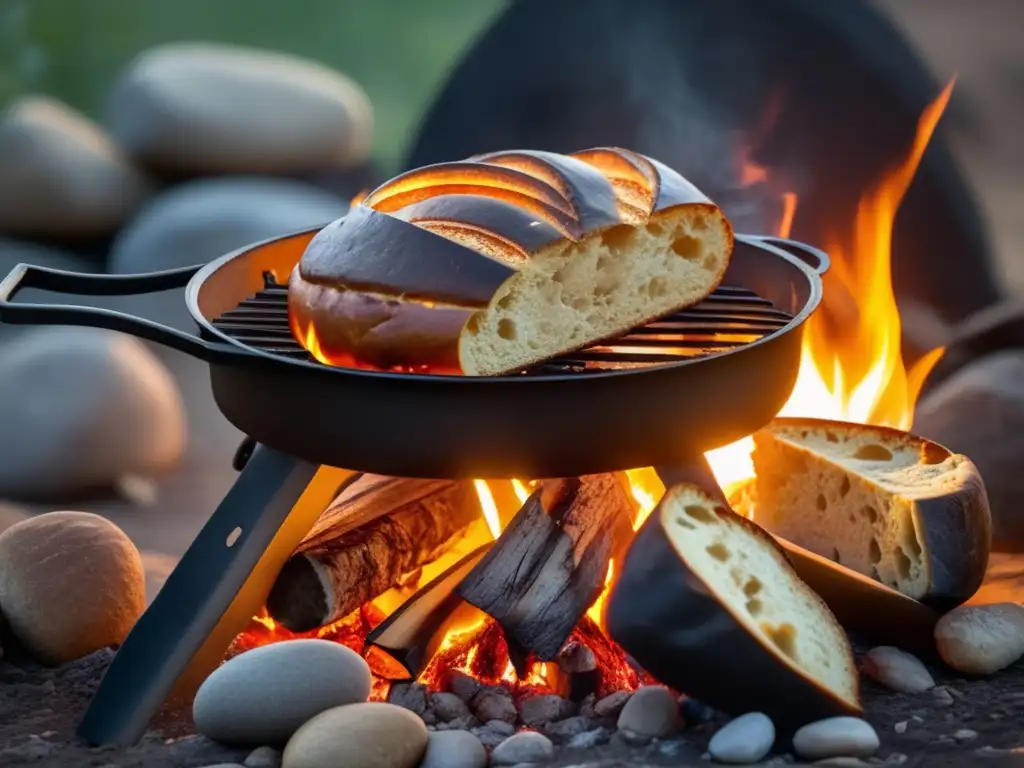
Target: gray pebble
{"points": [[492, 705], [588, 739], [411, 696], [836, 737], [566, 729], [612, 704], [448, 706], [897, 670], [454, 749], [263, 757], [541, 710], [651, 712], [264, 695], [524, 747], [744, 740]]}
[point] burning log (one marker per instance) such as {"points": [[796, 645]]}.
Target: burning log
{"points": [[411, 635], [551, 562], [375, 533]]}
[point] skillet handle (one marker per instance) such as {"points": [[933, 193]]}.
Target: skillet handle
{"points": [[60, 281], [813, 257]]}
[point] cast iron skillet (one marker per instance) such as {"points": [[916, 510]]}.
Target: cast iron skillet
{"points": [[420, 425]]}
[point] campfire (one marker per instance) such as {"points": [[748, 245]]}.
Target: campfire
{"points": [[503, 582]]}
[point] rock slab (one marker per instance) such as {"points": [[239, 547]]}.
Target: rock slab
{"points": [[70, 583], [263, 696]]}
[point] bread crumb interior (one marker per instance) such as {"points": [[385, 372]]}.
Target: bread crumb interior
{"points": [[575, 294], [759, 588]]}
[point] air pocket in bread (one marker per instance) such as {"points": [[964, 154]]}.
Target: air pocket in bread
{"points": [[492, 264], [892, 506], [708, 604]]}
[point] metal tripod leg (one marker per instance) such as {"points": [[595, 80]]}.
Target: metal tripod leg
{"points": [[220, 584]]}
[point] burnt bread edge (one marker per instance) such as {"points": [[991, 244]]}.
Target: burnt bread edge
{"points": [[670, 620], [954, 528]]}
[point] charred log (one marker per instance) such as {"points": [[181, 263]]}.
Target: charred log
{"points": [[550, 564], [375, 533], [411, 634]]}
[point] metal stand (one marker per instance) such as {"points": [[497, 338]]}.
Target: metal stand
{"points": [[219, 585]]}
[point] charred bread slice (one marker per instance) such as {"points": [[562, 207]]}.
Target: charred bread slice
{"points": [[709, 605], [492, 264], [890, 505]]}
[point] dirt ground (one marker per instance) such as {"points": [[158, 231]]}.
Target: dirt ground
{"points": [[976, 39]]}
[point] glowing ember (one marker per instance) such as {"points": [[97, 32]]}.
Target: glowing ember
{"points": [[853, 370]]}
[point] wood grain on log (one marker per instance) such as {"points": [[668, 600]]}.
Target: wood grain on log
{"points": [[377, 531], [550, 564]]}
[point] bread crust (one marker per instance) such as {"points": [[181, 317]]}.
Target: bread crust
{"points": [[445, 239], [663, 613], [953, 524]]}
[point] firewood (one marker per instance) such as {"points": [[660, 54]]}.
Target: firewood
{"points": [[551, 562], [374, 534], [411, 635]]}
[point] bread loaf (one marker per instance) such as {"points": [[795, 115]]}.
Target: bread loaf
{"points": [[708, 603], [891, 506], [490, 265]]}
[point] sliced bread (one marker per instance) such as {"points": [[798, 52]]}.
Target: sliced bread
{"points": [[495, 263], [889, 505], [708, 603]]}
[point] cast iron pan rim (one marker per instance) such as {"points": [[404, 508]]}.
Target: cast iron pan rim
{"points": [[206, 325]]}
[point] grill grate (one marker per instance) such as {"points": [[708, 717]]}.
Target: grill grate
{"points": [[729, 318]]}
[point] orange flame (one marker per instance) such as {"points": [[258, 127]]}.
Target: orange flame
{"points": [[855, 374]]}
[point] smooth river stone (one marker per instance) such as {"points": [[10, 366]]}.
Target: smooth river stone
{"points": [[70, 583], [454, 749], [981, 639], [371, 735], [203, 109], [81, 408], [744, 740], [263, 696], [897, 670], [62, 177], [836, 737]]}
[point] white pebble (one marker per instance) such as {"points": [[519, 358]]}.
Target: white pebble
{"points": [[744, 740], [836, 737], [897, 670], [981, 639]]}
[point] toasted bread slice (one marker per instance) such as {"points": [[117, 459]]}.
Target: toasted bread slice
{"points": [[708, 603], [890, 505]]}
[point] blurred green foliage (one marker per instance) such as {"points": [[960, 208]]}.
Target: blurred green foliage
{"points": [[398, 50]]}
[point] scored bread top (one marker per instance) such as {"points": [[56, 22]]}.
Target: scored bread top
{"points": [[504, 206]]}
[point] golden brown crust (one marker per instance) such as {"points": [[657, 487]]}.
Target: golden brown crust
{"points": [[356, 329], [444, 239]]}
